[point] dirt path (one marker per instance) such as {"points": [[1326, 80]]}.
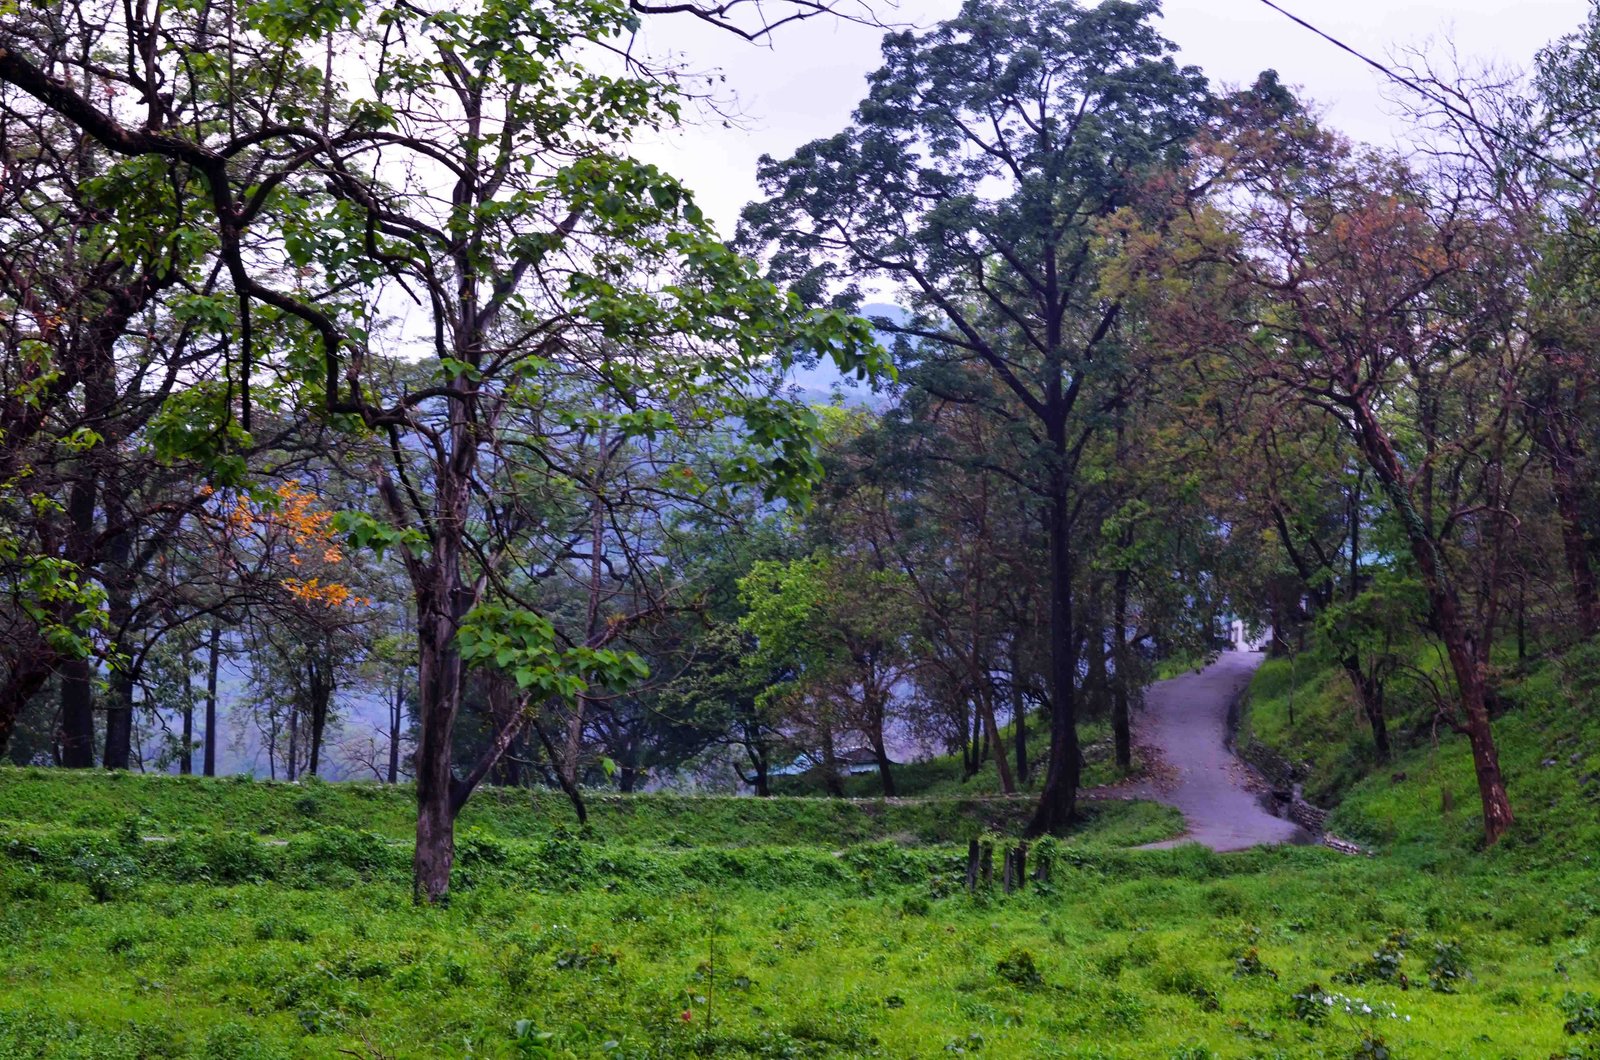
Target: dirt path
{"points": [[1185, 723]]}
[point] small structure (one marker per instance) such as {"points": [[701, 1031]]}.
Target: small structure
{"points": [[1243, 640], [859, 761]]}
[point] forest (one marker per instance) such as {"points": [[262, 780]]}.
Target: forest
{"points": [[457, 600]]}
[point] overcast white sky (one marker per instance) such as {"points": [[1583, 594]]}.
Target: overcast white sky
{"points": [[805, 85]]}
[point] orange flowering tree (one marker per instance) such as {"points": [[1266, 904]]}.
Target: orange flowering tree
{"points": [[308, 618]]}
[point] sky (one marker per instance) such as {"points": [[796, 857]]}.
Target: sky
{"points": [[806, 83]]}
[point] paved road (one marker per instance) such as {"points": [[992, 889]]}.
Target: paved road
{"points": [[1185, 720]]}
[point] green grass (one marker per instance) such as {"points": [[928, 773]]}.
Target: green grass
{"points": [[274, 921], [1426, 799], [1178, 665], [1159, 954]]}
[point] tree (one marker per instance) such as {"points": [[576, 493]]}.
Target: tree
{"points": [[977, 168], [88, 360], [1352, 287], [547, 240], [839, 629], [938, 491]]}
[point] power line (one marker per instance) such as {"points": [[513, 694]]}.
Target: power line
{"points": [[1425, 92]]}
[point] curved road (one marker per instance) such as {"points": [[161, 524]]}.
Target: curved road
{"points": [[1185, 722]]}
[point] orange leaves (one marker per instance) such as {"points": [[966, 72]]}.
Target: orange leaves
{"points": [[289, 530], [306, 524], [329, 594]]}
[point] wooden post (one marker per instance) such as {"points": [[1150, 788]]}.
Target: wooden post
{"points": [[1008, 860], [1021, 855], [986, 863], [1041, 870], [972, 866]]}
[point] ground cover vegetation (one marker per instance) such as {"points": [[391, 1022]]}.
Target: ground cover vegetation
{"points": [[218, 942], [366, 410]]}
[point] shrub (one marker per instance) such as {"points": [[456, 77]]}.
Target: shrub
{"points": [[235, 1041], [1018, 968], [271, 929], [1249, 964], [1384, 964], [108, 878], [1582, 1011], [1311, 1005], [1449, 966], [1186, 981]]}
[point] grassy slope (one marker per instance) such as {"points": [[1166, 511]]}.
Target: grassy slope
{"points": [[114, 947], [169, 805], [1549, 740]]}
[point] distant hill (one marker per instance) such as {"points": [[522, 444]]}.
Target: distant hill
{"points": [[820, 383]]}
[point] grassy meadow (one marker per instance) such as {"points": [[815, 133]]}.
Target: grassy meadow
{"points": [[180, 917]]}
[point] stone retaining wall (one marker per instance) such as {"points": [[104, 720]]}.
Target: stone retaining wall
{"points": [[1288, 798]]}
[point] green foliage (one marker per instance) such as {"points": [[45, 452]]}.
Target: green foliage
{"points": [[363, 531], [525, 647], [47, 588]]}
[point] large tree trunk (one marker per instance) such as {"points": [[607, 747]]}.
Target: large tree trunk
{"points": [[1058, 800], [875, 720], [77, 685], [1121, 722], [77, 714], [1470, 680], [761, 782], [885, 768], [830, 762], [442, 602], [439, 701], [119, 721], [756, 747]]}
